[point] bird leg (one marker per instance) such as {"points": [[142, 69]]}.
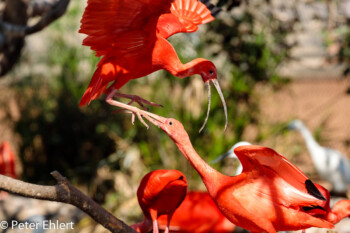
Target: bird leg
{"points": [[155, 226], [169, 216], [137, 99], [134, 111], [154, 216]]}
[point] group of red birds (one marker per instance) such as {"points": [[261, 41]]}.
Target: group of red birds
{"points": [[271, 194]]}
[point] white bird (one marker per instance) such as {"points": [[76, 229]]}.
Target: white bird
{"points": [[231, 154], [330, 164]]}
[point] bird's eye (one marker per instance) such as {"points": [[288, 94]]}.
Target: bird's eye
{"points": [[211, 72], [170, 123]]}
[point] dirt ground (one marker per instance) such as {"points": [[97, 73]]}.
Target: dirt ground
{"points": [[324, 107], [316, 103]]}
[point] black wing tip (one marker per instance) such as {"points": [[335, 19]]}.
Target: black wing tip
{"points": [[313, 191], [308, 208], [213, 9]]}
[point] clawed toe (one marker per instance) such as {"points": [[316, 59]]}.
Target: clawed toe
{"points": [[134, 111], [137, 99]]}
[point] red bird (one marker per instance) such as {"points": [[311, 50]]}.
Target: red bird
{"points": [[7, 160], [270, 194], [131, 37], [160, 193], [340, 210], [198, 213]]}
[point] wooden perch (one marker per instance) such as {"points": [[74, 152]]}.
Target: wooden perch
{"points": [[65, 192]]}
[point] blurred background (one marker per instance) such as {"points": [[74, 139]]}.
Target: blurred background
{"points": [[277, 61]]}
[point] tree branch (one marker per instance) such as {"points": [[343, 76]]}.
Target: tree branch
{"points": [[65, 192], [14, 30], [40, 7]]}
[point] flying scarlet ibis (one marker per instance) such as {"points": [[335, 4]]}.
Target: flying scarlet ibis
{"points": [[160, 193], [7, 160], [131, 37], [330, 164], [198, 213], [231, 154], [270, 194]]}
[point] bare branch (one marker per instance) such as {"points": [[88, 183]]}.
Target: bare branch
{"points": [[14, 15], [14, 30], [65, 192], [40, 7]]}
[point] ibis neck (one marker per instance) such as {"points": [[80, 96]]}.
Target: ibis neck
{"points": [[209, 175], [339, 211], [309, 139], [165, 57], [184, 70]]}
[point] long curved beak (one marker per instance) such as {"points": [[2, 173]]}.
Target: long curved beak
{"points": [[221, 157], [217, 86], [291, 126]]}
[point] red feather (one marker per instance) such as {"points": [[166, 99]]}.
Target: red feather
{"points": [[129, 35], [7, 160], [198, 213], [160, 193]]}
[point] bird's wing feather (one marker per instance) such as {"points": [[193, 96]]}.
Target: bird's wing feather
{"points": [[185, 16], [158, 181], [285, 180], [121, 26], [338, 163]]}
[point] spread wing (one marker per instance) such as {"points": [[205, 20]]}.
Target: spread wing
{"points": [[121, 26], [289, 184], [185, 16]]}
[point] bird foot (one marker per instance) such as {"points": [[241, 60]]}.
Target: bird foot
{"points": [[134, 111], [137, 99]]}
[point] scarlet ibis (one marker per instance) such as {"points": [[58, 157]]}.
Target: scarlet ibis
{"points": [[198, 213], [271, 194], [7, 160], [160, 193], [231, 154], [330, 164], [339, 211], [131, 37]]}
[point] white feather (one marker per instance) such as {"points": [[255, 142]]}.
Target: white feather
{"points": [[330, 164]]}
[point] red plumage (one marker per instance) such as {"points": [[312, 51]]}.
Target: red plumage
{"points": [[340, 210], [160, 193], [7, 160], [270, 194], [198, 213], [130, 36]]}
